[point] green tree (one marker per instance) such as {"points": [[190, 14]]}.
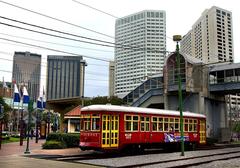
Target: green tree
{"points": [[104, 100], [236, 127], [7, 110]]}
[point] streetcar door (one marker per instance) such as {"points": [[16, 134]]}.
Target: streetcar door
{"points": [[202, 131], [110, 130]]}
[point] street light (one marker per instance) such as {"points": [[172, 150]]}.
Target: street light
{"points": [[178, 38], [30, 109]]}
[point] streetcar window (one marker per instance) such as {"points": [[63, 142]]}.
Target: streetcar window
{"points": [[166, 124], [185, 125], [131, 123], [95, 122], [135, 123], [190, 125], [157, 124], [176, 126], [154, 123], [154, 126], [81, 123], [160, 126], [195, 126], [145, 124], [128, 123], [128, 118], [142, 126], [85, 122], [90, 122]]}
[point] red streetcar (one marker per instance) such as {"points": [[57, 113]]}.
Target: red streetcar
{"points": [[110, 127]]}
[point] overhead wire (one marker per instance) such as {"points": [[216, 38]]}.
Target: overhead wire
{"points": [[50, 49], [54, 30], [53, 18], [96, 9], [106, 13], [53, 35], [43, 77], [114, 45], [34, 63], [61, 44]]}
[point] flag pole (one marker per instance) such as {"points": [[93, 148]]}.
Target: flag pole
{"points": [[21, 126], [18, 117], [11, 116], [36, 127]]}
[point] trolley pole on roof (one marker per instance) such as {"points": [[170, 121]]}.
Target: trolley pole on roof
{"points": [[178, 38]]}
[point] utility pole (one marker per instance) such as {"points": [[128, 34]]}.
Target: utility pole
{"points": [[178, 38]]}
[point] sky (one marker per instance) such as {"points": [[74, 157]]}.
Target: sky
{"points": [[180, 16]]}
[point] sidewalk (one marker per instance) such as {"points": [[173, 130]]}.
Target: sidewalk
{"points": [[15, 149], [12, 155], [34, 148]]}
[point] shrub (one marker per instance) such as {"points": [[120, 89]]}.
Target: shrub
{"points": [[5, 138], [71, 140], [54, 145]]}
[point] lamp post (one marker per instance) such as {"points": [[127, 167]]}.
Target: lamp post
{"points": [[178, 38], [30, 108], [21, 127], [37, 125]]}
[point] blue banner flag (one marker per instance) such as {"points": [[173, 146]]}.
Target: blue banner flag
{"points": [[41, 102], [25, 96], [16, 94]]}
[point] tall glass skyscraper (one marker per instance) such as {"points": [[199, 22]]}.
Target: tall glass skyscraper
{"points": [[26, 71], [65, 77], [140, 48]]}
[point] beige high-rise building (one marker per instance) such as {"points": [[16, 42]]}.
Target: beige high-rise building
{"points": [[211, 37], [141, 39], [111, 78]]}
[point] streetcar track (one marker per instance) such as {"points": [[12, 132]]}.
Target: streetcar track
{"points": [[101, 156]]}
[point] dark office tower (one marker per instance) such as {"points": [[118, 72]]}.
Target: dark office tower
{"points": [[65, 77], [26, 71]]}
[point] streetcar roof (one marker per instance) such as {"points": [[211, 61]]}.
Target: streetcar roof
{"points": [[114, 108]]}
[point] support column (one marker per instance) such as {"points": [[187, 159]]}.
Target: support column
{"points": [[69, 124]]}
